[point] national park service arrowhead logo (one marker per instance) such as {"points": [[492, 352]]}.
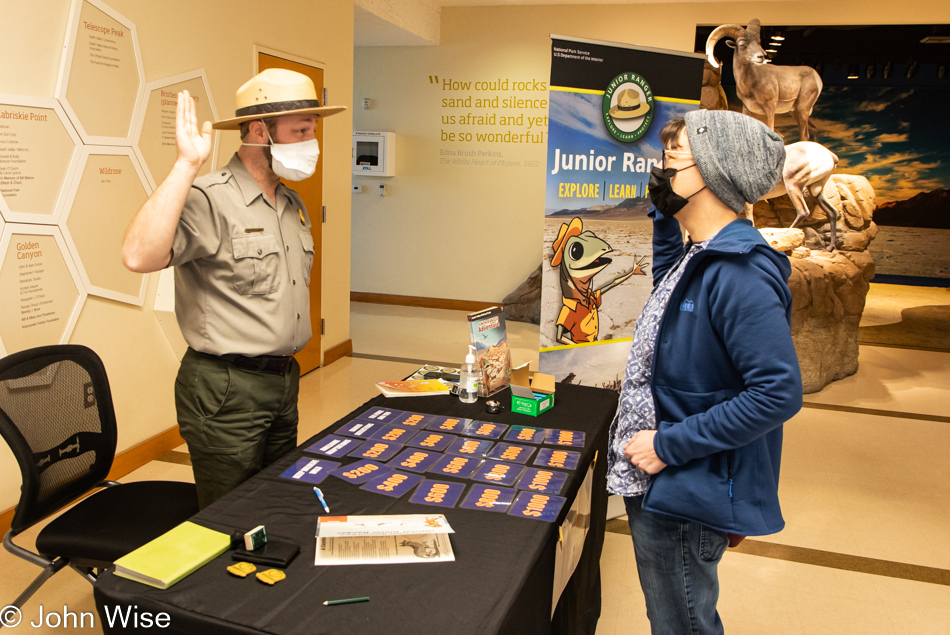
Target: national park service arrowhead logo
{"points": [[628, 107]]}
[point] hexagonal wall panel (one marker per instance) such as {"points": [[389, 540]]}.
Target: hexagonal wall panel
{"points": [[108, 190], [42, 292], [155, 133], [39, 151], [100, 75]]}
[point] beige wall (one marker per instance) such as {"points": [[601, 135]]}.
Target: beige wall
{"points": [[474, 232], [177, 36]]}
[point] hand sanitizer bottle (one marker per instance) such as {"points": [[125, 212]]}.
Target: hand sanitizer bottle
{"points": [[468, 379]]}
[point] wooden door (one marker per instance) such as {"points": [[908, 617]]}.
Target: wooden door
{"points": [[311, 191]]}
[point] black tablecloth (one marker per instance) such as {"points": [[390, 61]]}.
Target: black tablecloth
{"points": [[500, 582]]}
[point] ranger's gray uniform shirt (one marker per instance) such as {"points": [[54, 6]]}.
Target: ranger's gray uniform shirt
{"points": [[242, 267]]}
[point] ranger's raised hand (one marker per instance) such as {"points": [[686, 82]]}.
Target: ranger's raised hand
{"points": [[194, 146]]}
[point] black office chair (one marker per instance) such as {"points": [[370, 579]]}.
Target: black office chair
{"points": [[56, 414]]}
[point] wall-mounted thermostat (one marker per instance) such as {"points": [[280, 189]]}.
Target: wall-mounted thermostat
{"points": [[374, 153]]}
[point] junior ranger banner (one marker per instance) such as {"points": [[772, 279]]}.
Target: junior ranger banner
{"points": [[608, 104]]}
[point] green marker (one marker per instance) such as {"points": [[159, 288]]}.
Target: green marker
{"points": [[346, 601]]}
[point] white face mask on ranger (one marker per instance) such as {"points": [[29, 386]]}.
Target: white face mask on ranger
{"points": [[292, 161]]}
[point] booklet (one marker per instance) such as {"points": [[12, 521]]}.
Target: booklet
{"points": [[384, 539], [413, 388], [382, 525], [403, 549], [487, 330], [173, 555]]}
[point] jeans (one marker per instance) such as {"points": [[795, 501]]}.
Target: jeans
{"points": [[677, 563]]}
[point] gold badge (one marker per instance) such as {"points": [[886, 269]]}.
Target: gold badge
{"points": [[242, 569], [271, 576], [302, 220]]}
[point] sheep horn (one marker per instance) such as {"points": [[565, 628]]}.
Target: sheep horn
{"points": [[754, 28], [726, 30]]}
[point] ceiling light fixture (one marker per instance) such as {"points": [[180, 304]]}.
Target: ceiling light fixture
{"points": [[853, 71]]}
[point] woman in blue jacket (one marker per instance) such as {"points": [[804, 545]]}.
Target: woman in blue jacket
{"points": [[712, 374]]}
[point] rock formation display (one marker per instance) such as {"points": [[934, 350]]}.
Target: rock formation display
{"points": [[828, 289], [524, 303]]}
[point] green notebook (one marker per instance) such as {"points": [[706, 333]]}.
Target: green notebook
{"points": [[173, 555]]}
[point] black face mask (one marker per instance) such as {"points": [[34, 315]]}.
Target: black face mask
{"points": [[664, 198]]}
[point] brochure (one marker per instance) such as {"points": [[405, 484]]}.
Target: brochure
{"points": [[382, 525], [403, 549], [487, 330], [413, 388], [384, 539]]}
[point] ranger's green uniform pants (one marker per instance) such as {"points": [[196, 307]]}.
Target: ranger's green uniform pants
{"points": [[236, 422]]}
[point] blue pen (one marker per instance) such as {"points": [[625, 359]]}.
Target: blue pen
{"points": [[323, 501]]}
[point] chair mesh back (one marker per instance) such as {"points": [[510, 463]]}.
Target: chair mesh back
{"points": [[57, 416]]}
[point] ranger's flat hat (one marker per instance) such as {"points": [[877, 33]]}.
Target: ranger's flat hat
{"points": [[629, 105], [274, 93]]}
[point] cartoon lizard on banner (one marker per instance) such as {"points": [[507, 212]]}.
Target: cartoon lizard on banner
{"points": [[579, 256]]}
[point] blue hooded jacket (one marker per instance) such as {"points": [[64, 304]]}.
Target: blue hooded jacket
{"points": [[725, 379]]}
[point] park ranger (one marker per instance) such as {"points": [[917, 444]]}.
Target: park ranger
{"points": [[240, 242]]}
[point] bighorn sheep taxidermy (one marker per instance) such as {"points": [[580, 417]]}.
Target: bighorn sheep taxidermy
{"points": [[808, 166], [763, 88]]}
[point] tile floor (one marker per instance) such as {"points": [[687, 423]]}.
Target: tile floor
{"points": [[865, 487]]}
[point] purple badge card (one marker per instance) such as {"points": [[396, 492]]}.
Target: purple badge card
{"points": [[415, 460], [333, 446], [448, 424], [361, 471], [379, 450], [394, 433], [380, 415], [430, 440], [440, 493], [469, 447], [413, 419], [511, 452], [537, 506], [359, 428], [459, 466], [395, 484], [498, 472], [570, 438], [541, 480], [526, 434], [485, 430], [488, 498], [309, 470], [564, 459]]}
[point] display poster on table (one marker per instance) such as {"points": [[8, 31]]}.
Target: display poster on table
{"points": [[608, 104]]}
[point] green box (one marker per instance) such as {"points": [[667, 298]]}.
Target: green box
{"points": [[533, 406]]}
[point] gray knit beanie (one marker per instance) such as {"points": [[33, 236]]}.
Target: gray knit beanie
{"points": [[739, 158]]}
